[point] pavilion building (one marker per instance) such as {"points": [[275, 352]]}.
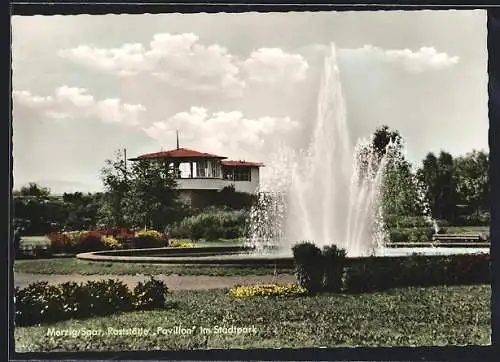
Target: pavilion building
{"points": [[199, 174]]}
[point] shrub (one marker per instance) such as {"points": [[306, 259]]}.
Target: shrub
{"points": [[90, 241], [108, 296], [309, 268], [212, 224], [111, 243], [59, 242], [400, 221], [180, 244], [413, 235], [38, 303], [150, 295], [44, 303], [149, 239], [267, 290], [334, 259], [372, 274]]}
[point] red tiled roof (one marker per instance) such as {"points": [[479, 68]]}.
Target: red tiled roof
{"points": [[241, 163], [177, 153]]}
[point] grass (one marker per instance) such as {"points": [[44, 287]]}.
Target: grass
{"points": [[84, 267], [458, 315], [467, 229]]}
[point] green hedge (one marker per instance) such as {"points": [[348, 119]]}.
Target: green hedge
{"points": [[212, 224], [373, 274], [411, 235], [43, 303]]}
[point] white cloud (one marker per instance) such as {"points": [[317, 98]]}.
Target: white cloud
{"points": [[181, 61], [229, 134], [424, 59], [75, 103], [177, 59], [271, 65]]}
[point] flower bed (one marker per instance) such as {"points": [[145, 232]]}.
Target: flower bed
{"points": [[104, 239], [267, 290], [180, 244]]}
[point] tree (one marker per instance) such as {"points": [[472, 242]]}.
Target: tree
{"points": [[438, 174], [384, 136], [33, 189], [152, 195], [400, 191], [115, 179], [144, 195], [473, 181]]}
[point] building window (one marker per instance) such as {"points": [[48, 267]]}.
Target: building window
{"points": [[200, 168], [242, 174]]}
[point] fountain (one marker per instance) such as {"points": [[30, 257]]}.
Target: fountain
{"points": [[329, 193]]}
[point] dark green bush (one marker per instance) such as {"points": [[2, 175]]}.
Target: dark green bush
{"points": [[413, 235], [150, 295], [373, 274], [309, 266], [334, 260], [44, 303], [212, 224], [38, 303], [108, 297], [91, 241], [399, 221]]}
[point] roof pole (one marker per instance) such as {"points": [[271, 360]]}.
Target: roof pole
{"points": [[177, 133]]}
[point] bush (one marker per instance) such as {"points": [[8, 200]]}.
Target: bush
{"points": [[150, 295], [90, 241], [482, 219], [149, 239], [399, 221], [212, 224], [44, 303], [309, 268], [108, 296], [111, 243], [334, 260], [413, 235], [60, 242], [267, 290], [38, 303], [374, 274]]}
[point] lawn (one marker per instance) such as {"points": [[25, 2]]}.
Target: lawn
{"points": [[467, 229], [458, 315], [84, 267]]}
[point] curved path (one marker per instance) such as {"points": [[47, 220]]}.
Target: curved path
{"points": [[174, 282]]}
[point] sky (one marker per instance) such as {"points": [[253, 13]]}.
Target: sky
{"points": [[236, 85]]}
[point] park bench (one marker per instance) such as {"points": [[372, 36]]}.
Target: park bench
{"points": [[449, 238]]}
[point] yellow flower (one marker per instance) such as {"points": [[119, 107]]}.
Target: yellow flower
{"points": [[267, 290], [180, 244], [111, 242]]}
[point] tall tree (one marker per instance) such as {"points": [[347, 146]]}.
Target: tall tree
{"points": [[152, 196], [382, 137], [115, 179], [438, 174], [473, 180], [142, 195]]}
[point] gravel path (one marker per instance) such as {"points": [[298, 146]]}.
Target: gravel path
{"points": [[174, 282]]}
